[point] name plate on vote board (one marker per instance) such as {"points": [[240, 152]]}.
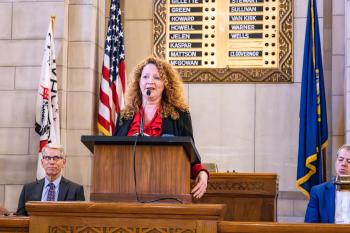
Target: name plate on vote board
{"points": [[226, 40]]}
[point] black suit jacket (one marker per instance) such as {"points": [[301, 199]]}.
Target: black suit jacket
{"points": [[68, 191], [179, 127]]}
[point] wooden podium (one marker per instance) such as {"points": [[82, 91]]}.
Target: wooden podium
{"points": [[158, 170]]}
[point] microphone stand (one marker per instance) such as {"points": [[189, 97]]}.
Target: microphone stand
{"points": [[141, 134], [142, 122]]}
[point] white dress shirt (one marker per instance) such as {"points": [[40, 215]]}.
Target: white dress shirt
{"points": [[342, 207], [46, 188]]}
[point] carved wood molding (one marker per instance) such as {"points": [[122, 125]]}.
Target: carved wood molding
{"points": [[236, 186], [123, 229]]}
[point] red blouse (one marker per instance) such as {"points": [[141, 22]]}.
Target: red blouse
{"points": [[154, 128]]}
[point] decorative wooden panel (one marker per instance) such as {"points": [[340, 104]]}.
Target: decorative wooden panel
{"points": [[248, 196]]}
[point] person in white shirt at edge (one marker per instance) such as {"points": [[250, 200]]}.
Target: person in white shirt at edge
{"points": [[54, 187], [327, 205]]}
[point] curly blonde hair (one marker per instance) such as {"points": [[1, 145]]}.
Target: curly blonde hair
{"points": [[173, 98]]}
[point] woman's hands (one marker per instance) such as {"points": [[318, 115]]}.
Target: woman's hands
{"points": [[201, 185]]}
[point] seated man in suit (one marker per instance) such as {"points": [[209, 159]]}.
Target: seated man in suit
{"points": [[54, 187], [327, 205]]}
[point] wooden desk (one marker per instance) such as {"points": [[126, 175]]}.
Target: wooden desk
{"points": [[14, 224], [66, 217], [186, 221], [248, 196]]}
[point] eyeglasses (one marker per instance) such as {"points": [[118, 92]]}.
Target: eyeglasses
{"points": [[54, 158], [342, 159]]}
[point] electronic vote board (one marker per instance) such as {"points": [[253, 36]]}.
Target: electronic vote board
{"points": [[226, 40]]}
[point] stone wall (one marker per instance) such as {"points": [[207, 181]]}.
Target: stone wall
{"points": [[79, 37], [22, 33], [346, 8], [338, 59], [241, 127]]}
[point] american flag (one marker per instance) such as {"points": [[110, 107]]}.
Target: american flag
{"points": [[113, 80]]}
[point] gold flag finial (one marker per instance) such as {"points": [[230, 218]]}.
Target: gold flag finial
{"points": [[53, 22]]}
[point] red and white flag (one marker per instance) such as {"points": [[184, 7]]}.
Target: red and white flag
{"points": [[47, 122], [113, 80]]}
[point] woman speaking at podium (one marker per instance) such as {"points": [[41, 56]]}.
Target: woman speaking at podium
{"points": [[155, 106]]}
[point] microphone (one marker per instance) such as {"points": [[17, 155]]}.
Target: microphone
{"points": [[148, 93], [141, 132]]}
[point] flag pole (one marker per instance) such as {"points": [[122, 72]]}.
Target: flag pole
{"points": [[53, 22], [324, 165]]}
